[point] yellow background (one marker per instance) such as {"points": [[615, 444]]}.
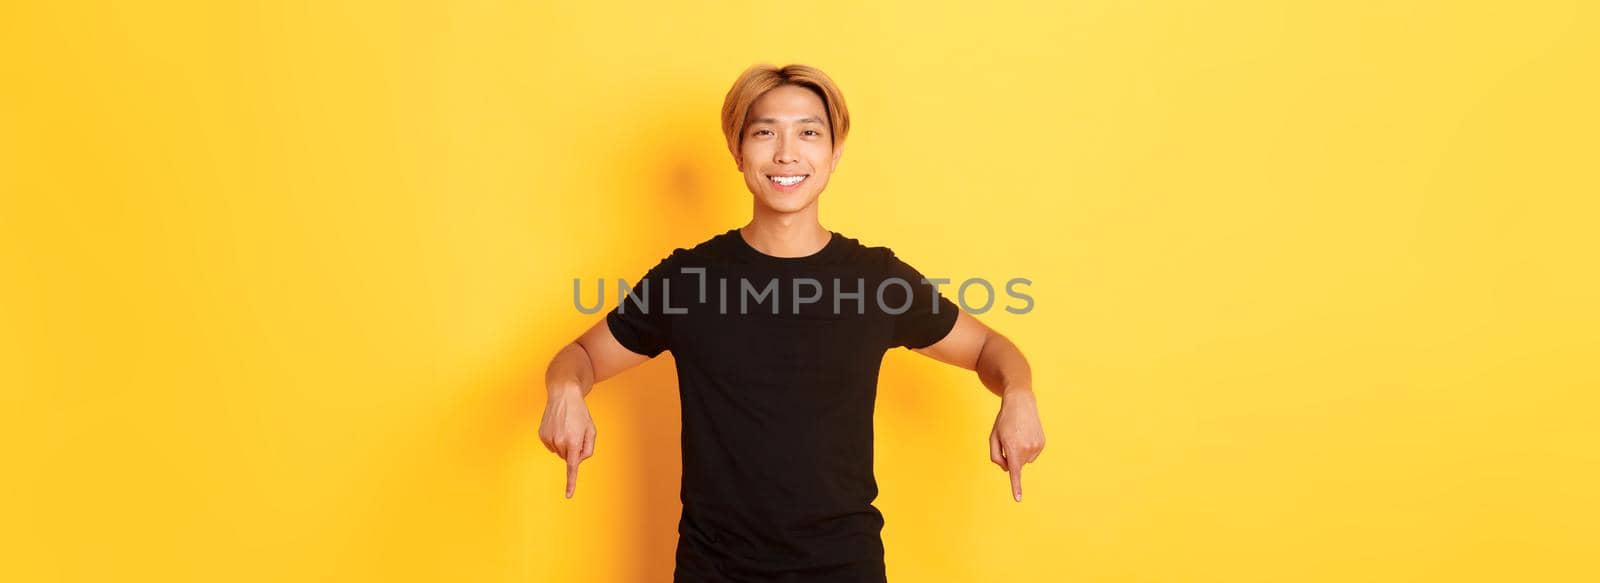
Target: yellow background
{"points": [[1315, 285]]}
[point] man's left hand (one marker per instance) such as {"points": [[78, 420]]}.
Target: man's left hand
{"points": [[1018, 437]]}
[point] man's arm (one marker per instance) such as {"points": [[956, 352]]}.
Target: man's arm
{"points": [[1018, 436], [566, 428]]}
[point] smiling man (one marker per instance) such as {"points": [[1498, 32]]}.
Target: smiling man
{"points": [[778, 329]]}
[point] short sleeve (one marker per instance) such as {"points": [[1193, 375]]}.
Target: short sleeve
{"points": [[640, 322], [930, 315]]}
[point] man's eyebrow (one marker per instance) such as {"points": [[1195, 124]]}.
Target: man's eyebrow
{"points": [[775, 120]]}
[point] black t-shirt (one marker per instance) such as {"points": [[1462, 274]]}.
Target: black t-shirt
{"points": [[777, 364]]}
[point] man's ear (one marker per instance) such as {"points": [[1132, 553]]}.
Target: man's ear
{"points": [[837, 152]]}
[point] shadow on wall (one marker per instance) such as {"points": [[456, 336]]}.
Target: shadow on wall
{"points": [[668, 204], [664, 190]]}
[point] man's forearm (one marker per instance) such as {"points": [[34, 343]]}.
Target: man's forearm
{"points": [[570, 371], [1001, 366]]}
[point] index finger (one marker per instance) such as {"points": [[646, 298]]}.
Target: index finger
{"points": [[1015, 465], [572, 470]]}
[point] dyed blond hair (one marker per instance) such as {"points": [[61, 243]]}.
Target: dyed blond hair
{"points": [[759, 79]]}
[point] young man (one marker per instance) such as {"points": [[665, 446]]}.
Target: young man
{"points": [[778, 329]]}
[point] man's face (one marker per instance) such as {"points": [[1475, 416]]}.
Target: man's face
{"points": [[786, 135]]}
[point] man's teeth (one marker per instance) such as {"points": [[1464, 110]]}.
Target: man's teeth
{"points": [[787, 180]]}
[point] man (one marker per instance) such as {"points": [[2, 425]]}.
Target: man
{"points": [[778, 329]]}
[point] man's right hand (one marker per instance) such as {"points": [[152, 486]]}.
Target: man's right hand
{"points": [[567, 430]]}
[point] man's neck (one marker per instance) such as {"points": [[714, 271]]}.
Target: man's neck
{"points": [[786, 235]]}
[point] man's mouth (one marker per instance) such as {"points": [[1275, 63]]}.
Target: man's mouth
{"points": [[787, 181]]}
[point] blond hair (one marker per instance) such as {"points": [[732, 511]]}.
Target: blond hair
{"points": [[761, 78]]}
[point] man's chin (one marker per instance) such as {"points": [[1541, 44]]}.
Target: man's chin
{"points": [[784, 205]]}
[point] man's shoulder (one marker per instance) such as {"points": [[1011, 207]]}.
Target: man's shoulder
{"points": [[714, 246], [861, 253], [717, 246]]}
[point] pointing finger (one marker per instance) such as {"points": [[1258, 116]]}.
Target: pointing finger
{"points": [[572, 470], [1016, 477]]}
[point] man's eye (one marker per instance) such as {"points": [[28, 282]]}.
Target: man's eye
{"points": [[815, 132], [758, 132]]}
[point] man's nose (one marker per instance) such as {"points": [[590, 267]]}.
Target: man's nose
{"points": [[785, 153]]}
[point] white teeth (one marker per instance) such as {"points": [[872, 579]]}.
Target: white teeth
{"points": [[787, 180]]}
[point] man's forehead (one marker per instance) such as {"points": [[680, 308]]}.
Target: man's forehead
{"points": [[794, 118]]}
